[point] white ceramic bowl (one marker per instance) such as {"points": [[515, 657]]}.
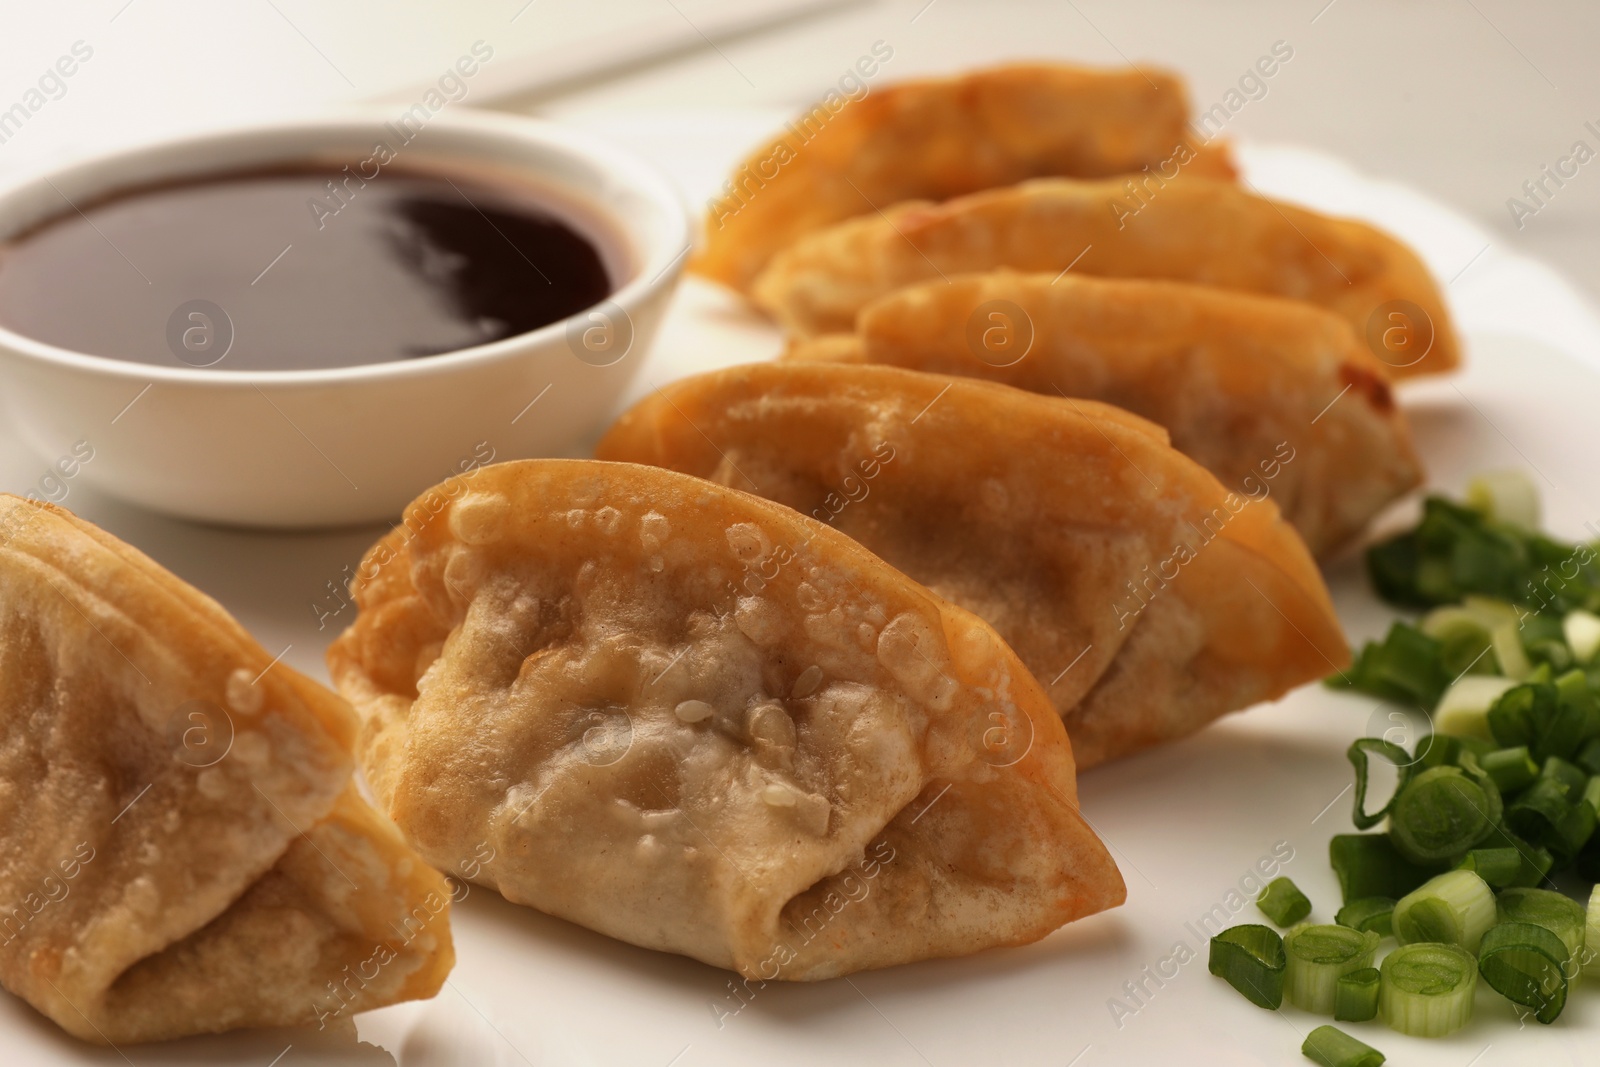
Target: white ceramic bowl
{"points": [[348, 444]]}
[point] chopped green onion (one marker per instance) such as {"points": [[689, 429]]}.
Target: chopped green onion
{"points": [[1454, 908], [1550, 718], [1442, 750], [1505, 496], [1493, 610], [1355, 1000], [1591, 939], [1551, 652], [1556, 912], [1591, 795], [1499, 867], [1588, 756], [1406, 667], [1569, 775], [1318, 955], [1580, 713], [1332, 1047], [1582, 632], [1513, 715], [1544, 815], [1369, 865], [1359, 754], [1508, 650], [1463, 711], [1436, 750], [1463, 636], [1456, 551], [1251, 959], [1456, 620], [1526, 964], [1283, 903], [1426, 989], [1368, 913], [1468, 762], [1442, 812], [1511, 768], [1536, 859]]}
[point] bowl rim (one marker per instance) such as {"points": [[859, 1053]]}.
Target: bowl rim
{"points": [[658, 266]]}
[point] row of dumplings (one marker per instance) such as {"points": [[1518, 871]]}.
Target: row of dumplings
{"points": [[796, 676]]}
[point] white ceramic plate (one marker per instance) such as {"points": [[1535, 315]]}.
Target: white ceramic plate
{"points": [[1186, 822]]}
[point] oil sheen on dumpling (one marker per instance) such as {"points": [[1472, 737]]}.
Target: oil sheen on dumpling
{"points": [[694, 720], [932, 139], [185, 851], [1193, 229], [1145, 597], [1229, 375]]}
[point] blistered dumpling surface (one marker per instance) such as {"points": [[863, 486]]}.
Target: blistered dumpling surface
{"points": [[1263, 392], [1192, 229], [937, 138], [183, 848], [690, 719], [1095, 549]]}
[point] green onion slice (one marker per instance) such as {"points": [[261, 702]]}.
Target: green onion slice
{"points": [[1588, 756], [1556, 912], [1536, 859], [1550, 718], [1359, 753], [1332, 1047], [1283, 903], [1426, 990], [1251, 959], [1463, 711], [1499, 867], [1591, 794], [1355, 999], [1508, 496], [1444, 811], [1544, 815], [1436, 750], [1512, 769], [1455, 908], [1318, 956], [1570, 776], [1515, 718], [1582, 632], [1526, 964], [1369, 865], [1590, 957], [1507, 644], [1368, 913]]}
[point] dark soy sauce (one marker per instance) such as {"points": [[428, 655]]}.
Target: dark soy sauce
{"points": [[300, 268]]}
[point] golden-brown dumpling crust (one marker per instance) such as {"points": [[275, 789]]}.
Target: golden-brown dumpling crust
{"points": [[1190, 230], [1231, 376], [697, 721], [185, 851], [1144, 596], [934, 139]]}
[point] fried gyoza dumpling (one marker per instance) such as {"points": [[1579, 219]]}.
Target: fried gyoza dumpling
{"points": [[1230, 376], [1193, 230], [1146, 597], [184, 849], [934, 139], [691, 719]]}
